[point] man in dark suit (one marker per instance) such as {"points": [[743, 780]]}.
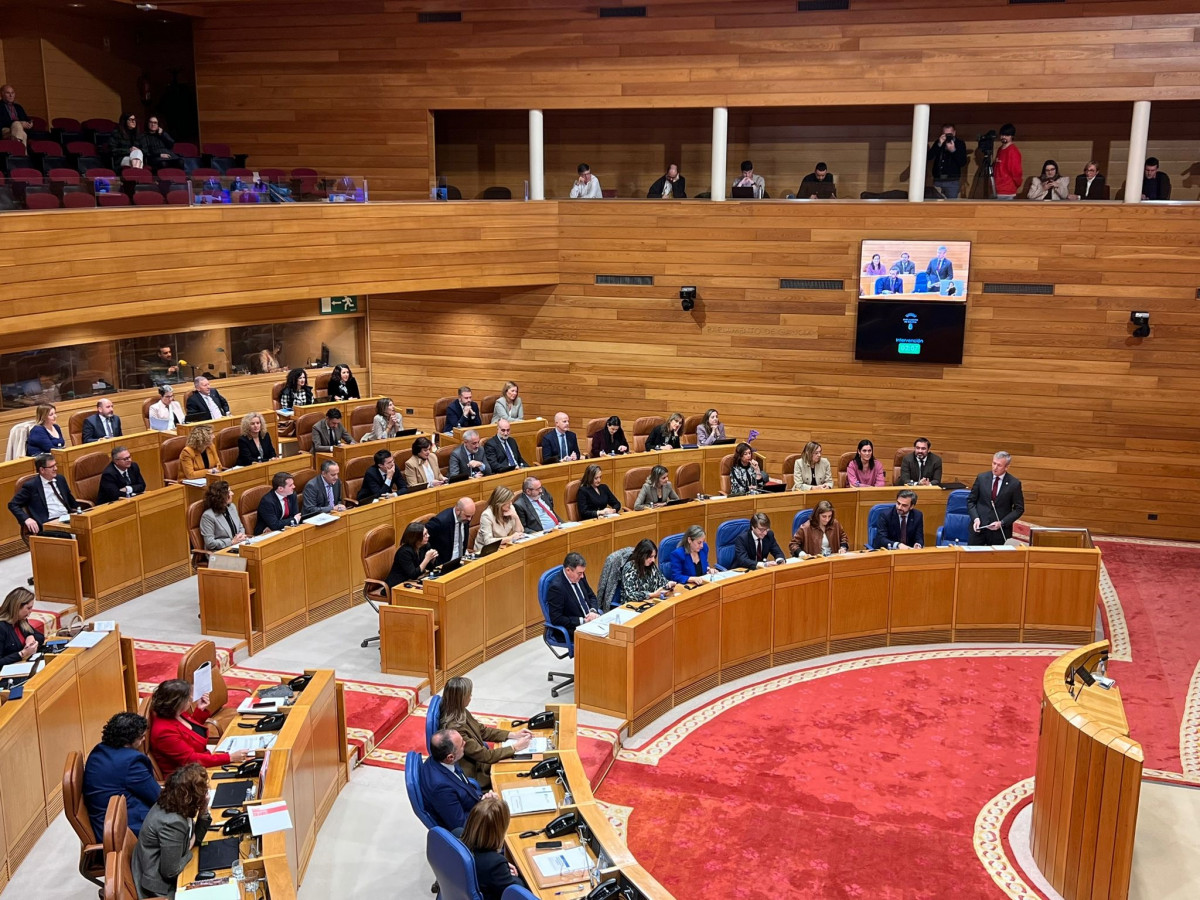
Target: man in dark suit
{"points": [[671, 186], [468, 457], [324, 493], [939, 269], [42, 498], [382, 478], [1156, 185], [102, 423], [755, 547], [890, 283], [560, 444], [501, 452], [448, 793], [205, 402], [535, 507], [330, 433], [921, 466], [994, 494], [902, 527], [1090, 184], [463, 412], [450, 530], [569, 598], [120, 478], [278, 509]]}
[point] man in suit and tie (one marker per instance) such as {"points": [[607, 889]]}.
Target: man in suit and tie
{"points": [[463, 412], [468, 457], [890, 283], [995, 503], [535, 507], [755, 547], [569, 598], [450, 530], [42, 498], [205, 402], [120, 478], [939, 269], [329, 433], [501, 452], [382, 478], [902, 527], [560, 444], [921, 466], [448, 793], [102, 423], [278, 509], [324, 493]]}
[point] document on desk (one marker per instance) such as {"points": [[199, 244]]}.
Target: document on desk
{"points": [[104, 625], [599, 626], [87, 639], [195, 482], [536, 745], [269, 817], [522, 801], [17, 670], [202, 681], [225, 889], [246, 742], [321, 519], [559, 862]]}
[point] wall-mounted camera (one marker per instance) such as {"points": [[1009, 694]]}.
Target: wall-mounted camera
{"points": [[1142, 321], [687, 298]]}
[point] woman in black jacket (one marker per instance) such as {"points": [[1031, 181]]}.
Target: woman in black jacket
{"points": [[156, 145], [19, 640], [595, 499], [413, 557], [342, 384], [483, 835]]}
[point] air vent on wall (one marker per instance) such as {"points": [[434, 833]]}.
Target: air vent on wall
{"points": [[1018, 288], [817, 5], [424, 17], [622, 12], [644, 280], [810, 284]]}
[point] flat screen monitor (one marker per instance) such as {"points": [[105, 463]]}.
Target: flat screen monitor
{"points": [[933, 270], [913, 331]]}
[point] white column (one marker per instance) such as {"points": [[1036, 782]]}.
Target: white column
{"points": [[1139, 134], [537, 157], [920, 144], [720, 150]]}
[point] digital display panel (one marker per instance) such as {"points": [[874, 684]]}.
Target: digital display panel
{"points": [[932, 270], [914, 331]]}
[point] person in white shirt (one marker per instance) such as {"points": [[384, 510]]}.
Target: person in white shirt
{"points": [[166, 414], [750, 180], [587, 185]]}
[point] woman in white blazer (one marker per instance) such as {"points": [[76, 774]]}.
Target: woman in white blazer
{"points": [[166, 414], [812, 471]]}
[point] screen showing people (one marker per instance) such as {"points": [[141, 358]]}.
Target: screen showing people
{"points": [[932, 270]]}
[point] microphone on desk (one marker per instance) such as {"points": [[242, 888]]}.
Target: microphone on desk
{"points": [[998, 519]]}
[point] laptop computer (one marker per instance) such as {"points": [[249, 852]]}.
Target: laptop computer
{"points": [[681, 500], [722, 441], [407, 432], [742, 193], [822, 190], [489, 549]]}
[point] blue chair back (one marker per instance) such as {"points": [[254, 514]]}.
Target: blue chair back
{"points": [[800, 518], [453, 866], [433, 716], [517, 892], [874, 518], [665, 549], [555, 636], [921, 283], [727, 533], [956, 528], [412, 781]]}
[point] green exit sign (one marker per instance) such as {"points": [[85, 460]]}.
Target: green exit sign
{"points": [[338, 306]]}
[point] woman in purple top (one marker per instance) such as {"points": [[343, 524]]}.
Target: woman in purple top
{"points": [[865, 470], [874, 267]]}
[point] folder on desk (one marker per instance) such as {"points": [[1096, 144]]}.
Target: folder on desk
{"points": [[219, 854], [522, 801]]}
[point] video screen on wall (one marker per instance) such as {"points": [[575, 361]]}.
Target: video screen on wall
{"points": [[934, 270]]}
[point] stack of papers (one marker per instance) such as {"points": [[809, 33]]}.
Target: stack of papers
{"points": [[599, 626], [321, 519], [560, 862], [17, 670], [87, 639], [247, 742], [522, 801], [269, 817], [195, 482]]}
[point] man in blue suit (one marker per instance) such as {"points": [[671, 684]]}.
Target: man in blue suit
{"points": [[890, 283], [118, 766], [560, 444], [102, 423], [902, 527], [449, 794], [570, 600]]}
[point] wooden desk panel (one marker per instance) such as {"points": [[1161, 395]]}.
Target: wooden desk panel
{"points": [[22, 790], [504, 577], [60, 725], [746, 624], [462, 619], [653, 656], [991, 595], [860, 600], [923, 587], [802, 594], [110, 539], [278, 578], [1061, 588], [697, 659], [57, 576], [162, 532], [603, 675], [327, 585]]}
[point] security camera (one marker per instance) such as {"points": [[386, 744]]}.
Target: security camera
{"points": [[1142, 321], [687, 298]]}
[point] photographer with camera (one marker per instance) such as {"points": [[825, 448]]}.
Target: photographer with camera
{"points": [[949, 157], [1007, 170], [1050, 185]]}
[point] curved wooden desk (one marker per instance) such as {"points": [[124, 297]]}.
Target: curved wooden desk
{"points": [[1089, 776]]}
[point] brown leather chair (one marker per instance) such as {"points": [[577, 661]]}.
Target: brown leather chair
{"points": [[897, 460], [378, 550], [227, 445], [91, 850], [439, 412], [116, 825], [219, 709], [144, 711], [248, 505], [85, 472], [320, 384], [443, 458], [572, 493], [200, 554], [277, 394], [304, 427], [593, 426], [542, 432], [146, 404], [361, 419], [301, 477], [727, 466], [642, 428], [788, 475], [843, 465], [690, 424], [634, 479], [687, 481], [169, 454], [488, 406], [352, 477], [75, 427], [118, 861]]}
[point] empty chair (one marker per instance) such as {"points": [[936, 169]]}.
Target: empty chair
{"points": [[800, 518], [99, 126], [189, 156], [62, 180], [238, 172], [687, 481], [273, 176], [79, 200], [495, 193], [91, 851], [304, 182], [41, 200], [148, 198], [112, 199], [727, 533], [219, 156], [665, 548], [138, 176], [47, 155], [177, 197], [172, 175], [874, 518], [956, 527]]}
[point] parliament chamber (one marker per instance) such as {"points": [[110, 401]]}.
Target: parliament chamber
{"points": [[638, 306]]}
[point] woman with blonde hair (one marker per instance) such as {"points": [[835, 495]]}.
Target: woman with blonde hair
{"points": [[200, 454], [812, 471], [45, 435], [668, 435], [657, 491], [509, 405], [387, 422], [19, 639], [254, 445], [484, 835], [477, 756], [821, 535], [499, 522]]}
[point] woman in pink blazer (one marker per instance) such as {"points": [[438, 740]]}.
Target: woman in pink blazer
{"points": [[865, 470]]}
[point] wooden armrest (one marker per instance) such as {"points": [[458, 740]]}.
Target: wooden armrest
{"points": [[85, 504]]}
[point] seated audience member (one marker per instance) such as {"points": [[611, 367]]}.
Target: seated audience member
{"points": [[921, 466], [477, 757], [535, 507], [1050, 185], [178, 735], [174, 826], [199, 455], [902, 527], [595, 499], [45, 435], [746, 475], [671, 186], [463, 412], [166, 413], [220, 524], [342, 384], [161, 368], [560, 444], [641, 578], [329, 432], [101, 424], [449, 794], [468, 457], [755, 547], [609, 440], [569, 598], [449, 531], [14, 121], [865, 470], [509, 405], [875, 266], [324, 494], [381, 479], [587, 185], [821, 535], [205, 402], [484, 834], [668, 435], [657, 490], [413, 557], [1090, 184], [891, 284], [818, 183], [120, 478], [939, 269], [254, 443], [43, 498], [501, 451], [157, 146], [19, 637], [278, 509], [422, 466], [749, 180], [710, 430], [498, 521], [387, 422], [905, 265], [1156, 185], [117, 766], [296, 391], [689, 561], [812, 471], [123, 142]]}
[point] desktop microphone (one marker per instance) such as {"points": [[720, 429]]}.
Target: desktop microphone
{"points": [[998, 519]]}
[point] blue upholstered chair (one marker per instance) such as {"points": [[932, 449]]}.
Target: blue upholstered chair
{"points": [[727, 533], [557, 638], [800, 518], [453, 866], [412, 781], [516, 892], [873, 520], [665, 549], [433, 715], [956, 527]]}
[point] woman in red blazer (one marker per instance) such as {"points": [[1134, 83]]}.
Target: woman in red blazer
{"points": [[178, 735]]}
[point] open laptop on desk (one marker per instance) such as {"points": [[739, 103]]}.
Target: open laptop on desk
{"points": [[742, 193], [681, 500], [489, 549]]}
